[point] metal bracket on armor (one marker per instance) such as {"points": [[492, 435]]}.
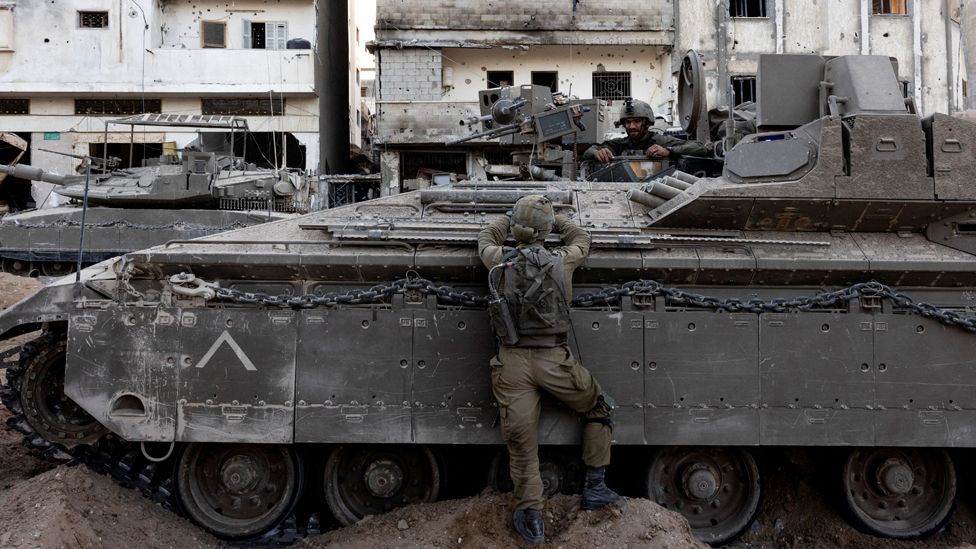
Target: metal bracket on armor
{"points": [[188, 285]]}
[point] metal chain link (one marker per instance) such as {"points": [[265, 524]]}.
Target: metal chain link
{"points": [[610, 295], [374, 294], [128, 225]]}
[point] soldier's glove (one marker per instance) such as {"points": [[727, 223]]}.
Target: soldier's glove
{"points": [[561, 222]]}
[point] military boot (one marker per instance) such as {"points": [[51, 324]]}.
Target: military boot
{"points": [[528, 523], [595, 491]]}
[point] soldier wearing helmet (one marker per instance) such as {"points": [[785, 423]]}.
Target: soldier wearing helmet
{"points": [[637, 117], [536, 283]]}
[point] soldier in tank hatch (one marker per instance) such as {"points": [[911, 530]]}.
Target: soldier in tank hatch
{"points": [[532, 287], [637, 117]]}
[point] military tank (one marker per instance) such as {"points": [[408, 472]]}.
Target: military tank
{"points": [[204, 190], [817, 296]]}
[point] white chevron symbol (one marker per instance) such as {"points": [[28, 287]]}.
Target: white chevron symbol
{"points": [[225, 338]]}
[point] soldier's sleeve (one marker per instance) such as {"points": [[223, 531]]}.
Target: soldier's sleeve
{"points": [[615, 145], [576, 241], [680, 147], [491, 239]]}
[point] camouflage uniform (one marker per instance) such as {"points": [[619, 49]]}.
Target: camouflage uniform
{"points": [[543, 363], [678, 147]]}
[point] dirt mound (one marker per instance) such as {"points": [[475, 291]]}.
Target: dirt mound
{"points": [[14, 288], [73, 507], [802, 508], [485, 521]]}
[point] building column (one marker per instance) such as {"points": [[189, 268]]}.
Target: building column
{"points": [[967, 33], [332, 85], [389, 173]]}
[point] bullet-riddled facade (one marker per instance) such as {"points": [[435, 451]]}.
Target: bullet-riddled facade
{"points": [[432, 57], [922, 35], [65, 67]]}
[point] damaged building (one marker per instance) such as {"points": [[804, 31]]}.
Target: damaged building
{"points": [[67, 66], [432, 58]]}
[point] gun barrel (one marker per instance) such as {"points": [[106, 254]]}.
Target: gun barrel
{"points": [[31, 173]]}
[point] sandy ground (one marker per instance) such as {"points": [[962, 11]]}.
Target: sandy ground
{"points": [[48, 507]]}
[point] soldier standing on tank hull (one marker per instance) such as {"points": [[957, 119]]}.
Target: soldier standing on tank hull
{"points": [[534, 353], [637, 117]]}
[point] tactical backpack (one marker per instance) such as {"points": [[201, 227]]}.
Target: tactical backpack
{"points": [[532, 301]]}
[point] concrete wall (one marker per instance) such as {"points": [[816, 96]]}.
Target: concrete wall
{"points": [[181, 20], [518, 22], [52, 61], [409, 74], [518, 15], [413, 79], [51, 54], [828, 27]]}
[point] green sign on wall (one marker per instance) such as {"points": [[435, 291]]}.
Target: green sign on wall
{"points": [[52, 136]]}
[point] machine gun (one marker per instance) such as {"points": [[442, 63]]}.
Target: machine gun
{"points": [[530, 110], [107, 164]]}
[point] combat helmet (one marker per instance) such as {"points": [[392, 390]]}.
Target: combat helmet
{"points": [[635, 108], [532, 219]]}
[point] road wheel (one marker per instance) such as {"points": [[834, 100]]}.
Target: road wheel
{"points": [[361, 480], [238, 491], [716, 489], [899, 492]]}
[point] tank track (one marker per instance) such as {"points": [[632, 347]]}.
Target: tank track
{"points": [[123, 461]]}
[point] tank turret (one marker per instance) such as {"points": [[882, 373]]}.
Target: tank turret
{"points": [[169, 198]]}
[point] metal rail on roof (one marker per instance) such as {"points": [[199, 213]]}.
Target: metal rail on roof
{"points": [[183, 120]]}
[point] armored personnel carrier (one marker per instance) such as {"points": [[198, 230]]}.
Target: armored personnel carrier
{"points": [[204, 190], [817, 295]]}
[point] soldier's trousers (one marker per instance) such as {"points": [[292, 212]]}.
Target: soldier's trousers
{"points": [[518, 376]]}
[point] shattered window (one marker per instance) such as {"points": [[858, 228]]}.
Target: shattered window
{"points": [[497, 79], [747, 8], [93, 19], [14, 105], [743, 89], [549, 79], [243, 106], [611, 85], [117, 106], [889, 7]]}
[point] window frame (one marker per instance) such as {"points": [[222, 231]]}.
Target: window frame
{"points": [[604, 75], [737, 90], [497, 82], [83, 13], [154, 105], [3, 109], [6, 28], [554, 87], [272, 39], [203, 35], [764, 8], [882, 3], [276, 106]]}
